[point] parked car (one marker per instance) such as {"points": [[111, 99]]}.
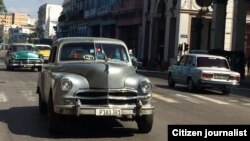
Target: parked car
{"points": [[23, 55], [44, 51], [202, 71], [93, 77]]}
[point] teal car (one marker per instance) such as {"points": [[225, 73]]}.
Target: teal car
{"points": [[23, 55]]}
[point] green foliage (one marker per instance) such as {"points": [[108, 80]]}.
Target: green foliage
{"points": [[2, 7]]}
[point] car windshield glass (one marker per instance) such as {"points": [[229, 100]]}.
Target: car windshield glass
{"points": [[77, 51], [212, 62], [112, 52], [22, 48], [43, 48]]}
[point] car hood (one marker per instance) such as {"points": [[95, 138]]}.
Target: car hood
{"points": [[100, 75], [26, 55], [44, 52]]}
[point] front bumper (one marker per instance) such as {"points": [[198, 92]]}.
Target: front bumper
{"points": [[26, 63], [77, 109]]}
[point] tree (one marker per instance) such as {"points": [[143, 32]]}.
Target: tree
{"points": [[2, 7]]}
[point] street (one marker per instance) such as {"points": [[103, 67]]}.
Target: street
{"points": [[20, 119]]}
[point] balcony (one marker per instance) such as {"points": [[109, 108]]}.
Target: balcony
{"points": [[127, 7]]}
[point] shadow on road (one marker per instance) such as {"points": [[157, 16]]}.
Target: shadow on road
{"points": [[28, 121], [182, 88]]}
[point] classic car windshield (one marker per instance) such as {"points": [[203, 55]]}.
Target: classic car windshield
{"points": [[91, 51], [43, 48], [212, 62], [77, 51], [112, 52], [22, 48]]}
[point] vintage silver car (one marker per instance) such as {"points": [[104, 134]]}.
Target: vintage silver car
{"points": [[202, 71], [93, 77]]}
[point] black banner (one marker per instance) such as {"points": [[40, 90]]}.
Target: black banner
{"points": [[208, 132]]}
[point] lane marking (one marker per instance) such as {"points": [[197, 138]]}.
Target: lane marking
{"points": [[169, 100], [233, 100], [246, 104], [3, 97], [188, 98], [211, 99], [29, 95]]}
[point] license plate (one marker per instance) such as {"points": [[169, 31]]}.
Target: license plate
{"points": [[108, 112], [220, 76], [25, 66]]}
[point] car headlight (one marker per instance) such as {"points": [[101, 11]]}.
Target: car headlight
{"points": [[145, 87], [66, 85], [13, 57]]}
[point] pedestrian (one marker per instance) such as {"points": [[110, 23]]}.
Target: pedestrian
{"points": [[248, 64]]}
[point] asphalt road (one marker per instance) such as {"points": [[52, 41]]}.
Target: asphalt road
{"points": [[21, 121]]}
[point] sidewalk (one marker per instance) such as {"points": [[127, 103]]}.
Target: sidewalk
{"points": [[245, 82]]}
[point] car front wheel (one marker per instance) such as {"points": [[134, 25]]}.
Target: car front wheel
{"points": [[145, 123], [226, 91], [53, 119], [171, 82], [190, 85], [42, 105]]}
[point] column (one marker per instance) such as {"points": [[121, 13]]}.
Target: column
{"points": [[239, 23], [218, 24]]}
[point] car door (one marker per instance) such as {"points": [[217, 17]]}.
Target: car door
{"points": [[186, 68], [46, 74], [177, 69]]}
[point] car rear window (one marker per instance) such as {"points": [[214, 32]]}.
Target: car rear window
{"points": [[212, 62]]}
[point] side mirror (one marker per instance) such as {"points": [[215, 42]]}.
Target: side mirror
{"points": [[136, 63]]}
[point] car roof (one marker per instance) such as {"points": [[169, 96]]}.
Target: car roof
{"points": [[88, 39], [205, 55], [22, 44]]}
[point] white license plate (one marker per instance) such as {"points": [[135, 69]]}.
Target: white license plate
{"points": [[108, 112], [25, 66], [220, 77]]}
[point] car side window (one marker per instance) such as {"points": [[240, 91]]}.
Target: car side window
{"points": [[52, 56], [183, 61], [190, 61]]}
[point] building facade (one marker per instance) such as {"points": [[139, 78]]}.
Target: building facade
{"points": [[169, 25], [48, 15], [19, 19], [103, 18]]}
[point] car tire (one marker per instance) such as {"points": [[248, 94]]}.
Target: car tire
{"points": [[53, 119], [171, 82], [12, 69], [145, 123], [226, 91], [42, 105], [39, 69], [190, 85], [7, 68]]}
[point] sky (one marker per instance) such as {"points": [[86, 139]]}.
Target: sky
{"points": [[30, 7]]}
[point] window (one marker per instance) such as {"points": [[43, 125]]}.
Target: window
{"points": [[112, 52], [183, 61], [76, 51], [52, 57], [22, 48], [190, 61], [212, 62]]}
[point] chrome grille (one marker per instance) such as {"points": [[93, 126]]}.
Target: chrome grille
{"points": [[107, 97]]}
